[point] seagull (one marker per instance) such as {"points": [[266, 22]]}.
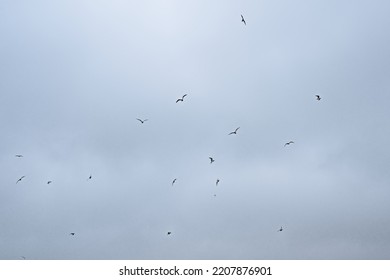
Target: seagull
{"points": [[288, 143], [181, 99], [211, 160], [72, 233], [169, 233], [243, 20], [174, 181], [20, 179], [234, 132], [18, 155], [318, 97], [281, 229], [216, 183], [90, 177], [142, 121], [49, 182]]}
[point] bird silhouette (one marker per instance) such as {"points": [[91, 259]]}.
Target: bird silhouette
{"points": [[49, 182], [174, 181], [90, 177], [142, 121], [243, 20], [23, 257], [234, 132], [288, 143], [18, 155], [211, 160], [216, 183], [169, 233], [281, 229], [318, 97], [72, 233], [181, 99], [20, 179]]}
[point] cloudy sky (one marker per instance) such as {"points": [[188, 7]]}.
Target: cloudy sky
{"points": [[75, 76]]}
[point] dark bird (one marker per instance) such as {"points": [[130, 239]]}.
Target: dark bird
{"points": [[18, 155], [281, 229], [49, 182], [216, 183], [318, 97], [174, 181], [142, 121], [90, 177], [211, 160], [169, 233], [23, 257], [20, 179], [243, 20], [72, 233], [288, 143], [181, 99], [234, 132]]}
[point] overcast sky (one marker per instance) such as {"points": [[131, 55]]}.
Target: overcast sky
{"points": [[75, 75]]}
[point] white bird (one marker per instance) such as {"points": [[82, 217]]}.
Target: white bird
{"points": [[234, 132], [20, 179], [243, 20], [181, 99]]}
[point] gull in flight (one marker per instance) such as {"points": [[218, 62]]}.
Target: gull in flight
{"points": [[49, 182], [234, 132], [20, 179], [181, 99], [288, 143], [90, 177], [18, 155], [142, 121], [216, 183], [211, 160], [318, 97], [281, 229], [174, 181], [169, 233], [243, 20], [72, 233]]}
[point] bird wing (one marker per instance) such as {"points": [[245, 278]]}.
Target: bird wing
{"points": [[140, 120], [184, 96], [237, 129]]}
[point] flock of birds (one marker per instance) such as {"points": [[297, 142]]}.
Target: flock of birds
{"points": [[212, 160]]}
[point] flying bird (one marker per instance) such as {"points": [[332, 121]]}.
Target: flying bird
{"points": [[281, 229], [142, 121], [243, 20], [211, 160], [181, 99], [18, 155], [234, 132], [174, 181], [216, 183], [23, 257], [49, 182], [20, 179], [90, 177], [169, 233], [288, 143], [72, 233], [318, 97]]}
